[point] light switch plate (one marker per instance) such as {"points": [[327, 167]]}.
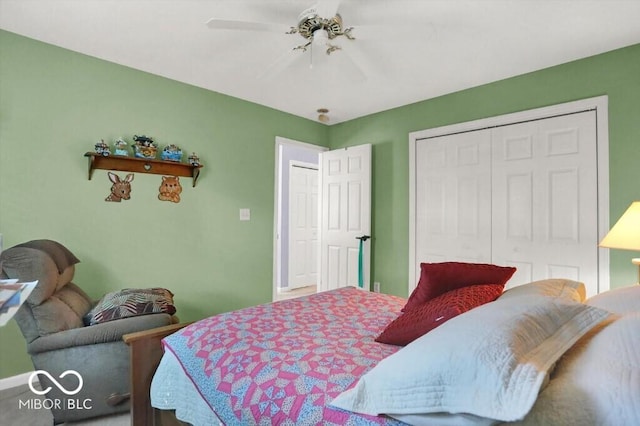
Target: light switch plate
{"points": [[245, 214]]}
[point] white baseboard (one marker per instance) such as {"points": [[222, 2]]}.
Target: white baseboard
{"points": [[13, 381]]}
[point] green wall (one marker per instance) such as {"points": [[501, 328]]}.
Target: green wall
{"points": [[55, 104], [616, 74]]}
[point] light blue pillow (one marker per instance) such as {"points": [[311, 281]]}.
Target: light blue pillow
{"points": [[489, 362]]}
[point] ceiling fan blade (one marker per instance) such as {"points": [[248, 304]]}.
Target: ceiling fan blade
{"points": [[382, 33], [224, 24], [284, 61], [328, 8], [356, 63]]}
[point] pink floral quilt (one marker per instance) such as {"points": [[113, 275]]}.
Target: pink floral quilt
{"points": [[282, 363]]}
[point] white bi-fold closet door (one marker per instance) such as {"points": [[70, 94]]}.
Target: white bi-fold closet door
{"points": [[522, 194], [544, 199]]}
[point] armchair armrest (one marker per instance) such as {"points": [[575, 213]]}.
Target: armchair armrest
{"points": [[146, 351], [153, 334], [107, 332]]}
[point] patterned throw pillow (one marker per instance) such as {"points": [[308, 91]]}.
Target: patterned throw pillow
{"points": [[438, 278], [131, 302], [419, 321]]}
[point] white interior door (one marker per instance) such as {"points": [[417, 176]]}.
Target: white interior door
{"points": [[303, 225], [345, 176], [545, 203]]}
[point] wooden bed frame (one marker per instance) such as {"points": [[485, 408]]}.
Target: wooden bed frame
{"points": [[145, 352]]}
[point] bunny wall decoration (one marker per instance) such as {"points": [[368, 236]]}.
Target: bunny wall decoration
{"points": [[121, 189]]}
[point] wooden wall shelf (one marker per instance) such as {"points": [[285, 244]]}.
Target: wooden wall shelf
{"points": [[141, 165]]}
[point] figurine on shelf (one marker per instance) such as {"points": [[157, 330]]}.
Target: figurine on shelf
{"points": [[102, 148], [144, 147], [194, 160], [120, 147], [143, 140], [171, 153]]}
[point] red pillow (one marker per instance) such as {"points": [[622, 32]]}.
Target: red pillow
{"points": [[438, 278], [419, 321]]}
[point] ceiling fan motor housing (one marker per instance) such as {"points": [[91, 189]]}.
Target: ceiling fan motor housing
{"points": [[309, 22]]}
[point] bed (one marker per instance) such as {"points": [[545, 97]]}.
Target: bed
{"points": [[281, 362], [535, 354]]}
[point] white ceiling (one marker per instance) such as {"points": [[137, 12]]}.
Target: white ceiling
{"points": [[404, 52]]}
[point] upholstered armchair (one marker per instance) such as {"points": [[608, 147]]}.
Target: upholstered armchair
{"points": [[52, 321]]}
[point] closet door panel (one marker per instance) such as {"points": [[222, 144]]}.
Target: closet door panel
{"points": [[571, 153], [453, 198], [544, 207], [514, 216]]}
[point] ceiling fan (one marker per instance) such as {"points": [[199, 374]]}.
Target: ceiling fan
{"points": [[319, 25], [319, 30]]}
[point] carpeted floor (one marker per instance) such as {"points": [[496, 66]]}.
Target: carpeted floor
{"points": [[12, 415], [298, 292]]}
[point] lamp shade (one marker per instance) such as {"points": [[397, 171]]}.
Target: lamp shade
{"points": [[625, 234]]}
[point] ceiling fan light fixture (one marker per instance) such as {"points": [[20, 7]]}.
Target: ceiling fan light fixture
{"points": [[322, 115], [320, 37]]}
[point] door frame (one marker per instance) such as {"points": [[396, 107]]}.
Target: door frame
{"points": [[280, 143], [599, 104]]}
